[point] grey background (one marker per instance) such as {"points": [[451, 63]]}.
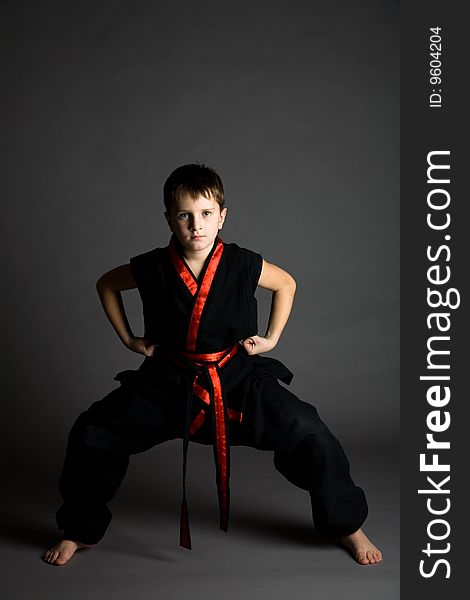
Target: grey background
{"points": [[296, 105]]}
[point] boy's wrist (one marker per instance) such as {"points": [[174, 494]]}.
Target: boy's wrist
{"points": [[272, 337], [126, 340]]}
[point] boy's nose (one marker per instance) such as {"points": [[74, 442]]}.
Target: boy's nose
{"points": [[195, 225]]}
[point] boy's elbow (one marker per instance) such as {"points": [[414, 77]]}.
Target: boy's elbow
{"points": [[290, 283], [101, 284]]}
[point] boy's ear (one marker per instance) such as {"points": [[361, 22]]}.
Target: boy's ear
{"points": [[223, 214], [167, 217]]}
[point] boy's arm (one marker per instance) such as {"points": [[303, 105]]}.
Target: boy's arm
{"points": [[109, 287], [283, 287]]}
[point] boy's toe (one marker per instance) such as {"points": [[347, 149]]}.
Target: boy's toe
{"points": [[361, 557]]}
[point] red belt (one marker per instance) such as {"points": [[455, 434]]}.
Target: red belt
{"points": [[207, 368]]}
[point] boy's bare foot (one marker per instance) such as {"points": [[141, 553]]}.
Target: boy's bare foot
{"points": [[62, 552], [362, 549]]}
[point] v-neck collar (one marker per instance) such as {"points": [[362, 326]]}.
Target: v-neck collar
{"points": [[197, 280], [200, 290]]}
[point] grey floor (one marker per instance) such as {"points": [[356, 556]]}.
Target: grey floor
{"points": [[271, 550]]}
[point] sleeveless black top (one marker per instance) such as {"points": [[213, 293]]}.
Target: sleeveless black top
{"points": [[230, 311]]}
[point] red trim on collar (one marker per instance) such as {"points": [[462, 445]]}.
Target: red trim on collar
{"points": [[182, 269], [199, 290], [201, 296]]}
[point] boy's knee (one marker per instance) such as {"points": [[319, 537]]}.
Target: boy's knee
{"points": [[321, 445], [307, 428], [86, 434]]}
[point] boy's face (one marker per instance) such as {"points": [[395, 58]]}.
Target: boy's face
{"points": [[195, 222]]}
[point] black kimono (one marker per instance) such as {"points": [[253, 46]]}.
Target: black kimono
{"points": [[201, 385]]}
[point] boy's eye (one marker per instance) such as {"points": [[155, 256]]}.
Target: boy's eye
{"points": [[183, 216]]}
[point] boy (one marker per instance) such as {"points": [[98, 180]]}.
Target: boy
{"points": [[202, 379]]}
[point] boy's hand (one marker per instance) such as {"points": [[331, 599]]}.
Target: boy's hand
{"points": [[141, 346], [257, 344]]}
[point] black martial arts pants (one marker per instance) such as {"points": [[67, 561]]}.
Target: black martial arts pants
{"points": [[125, 422]]}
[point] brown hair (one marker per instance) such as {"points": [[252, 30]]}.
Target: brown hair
{"points": [[194, 179]]}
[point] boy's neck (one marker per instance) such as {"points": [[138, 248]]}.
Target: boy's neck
{"points": [[195, 256]]}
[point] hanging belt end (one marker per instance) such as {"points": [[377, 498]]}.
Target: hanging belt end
{"points": [[224, 523], [185, 542], [185, 535]]}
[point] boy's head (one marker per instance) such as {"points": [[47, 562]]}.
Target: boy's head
{"points": [[195, 180], [194, 199]]}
